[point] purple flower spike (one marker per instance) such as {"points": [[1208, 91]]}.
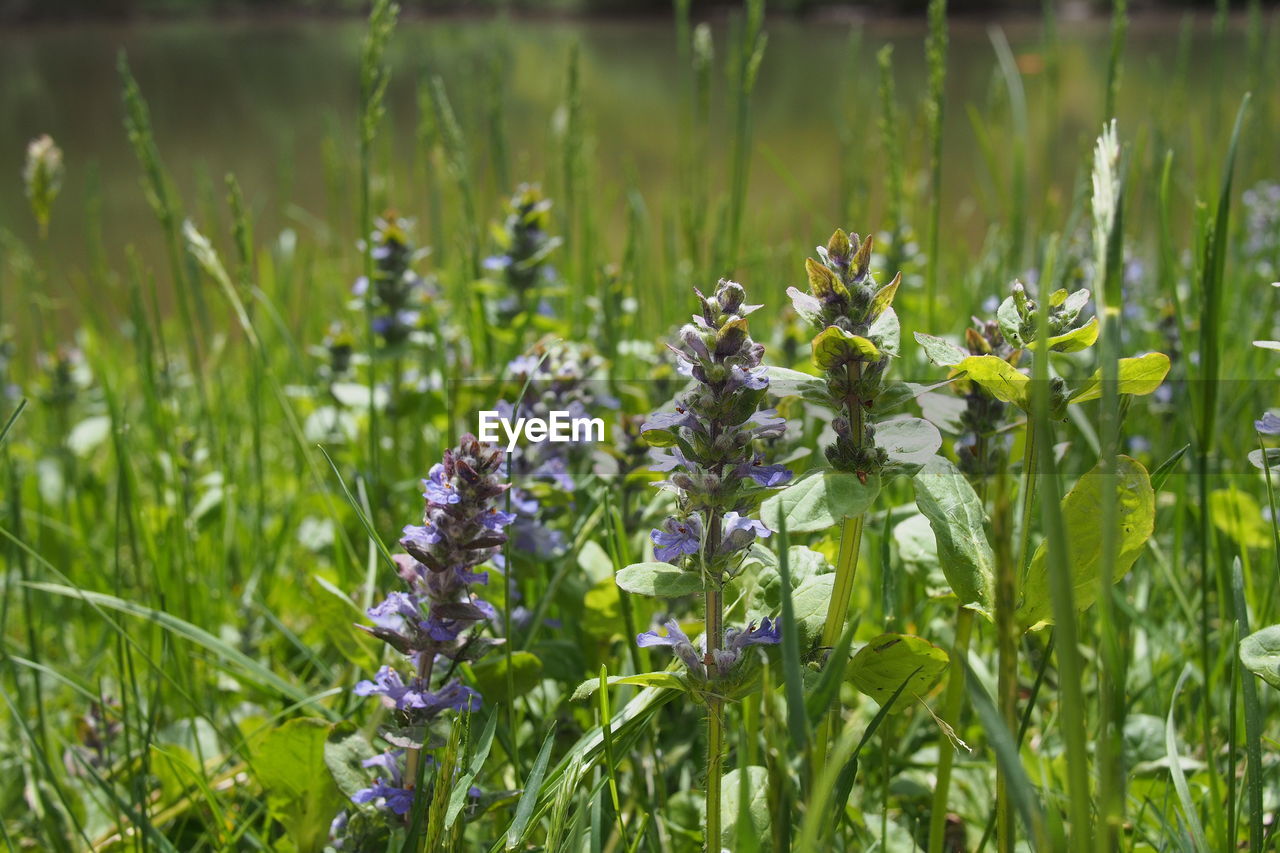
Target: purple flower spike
{"points": [[393, 612], [676, 538]]}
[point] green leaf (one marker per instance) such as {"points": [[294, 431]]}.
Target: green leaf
{"points": [[1010, 322], [658, 579], [886, 333], [809, 602], [1238, 515], [820, 500], [529, 799], [344, 748], [956, 514], [1135, 507], [756, 806], [491, 675], [1140, 376], [660, 680], [1001, 379], [1079, 338], [940, 351], [884, 664], [1260, 654], [289, 763], [792, 383], [909, 442], [834, 346]]}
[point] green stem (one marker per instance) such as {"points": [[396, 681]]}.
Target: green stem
{"points": [[715, 707], [1007, 629], [952, 704]]}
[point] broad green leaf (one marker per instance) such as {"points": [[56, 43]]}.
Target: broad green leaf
{"points": [[660, 680], [289, 763], [755, 808], [1140, 375], [1010, 322], [490, 675], [1135, 509], [884, 664], [820, 500], [345, 747], [886, 333], [917, 546], [1238, 515], [784, 382], [1001, 379], [1260, 654], [834, 346], [956, 514], [766, 593], [809, 603], [940, 351], [1272, 458], [658, 579], [909, 442], [1077, 339], [602, 610]]}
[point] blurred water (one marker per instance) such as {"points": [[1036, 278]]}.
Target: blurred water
{"points": [[260, 99]]}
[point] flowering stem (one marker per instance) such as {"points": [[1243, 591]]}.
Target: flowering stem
{"points": [[426, 662], [846, 562], [951, 716], [715, 713]]}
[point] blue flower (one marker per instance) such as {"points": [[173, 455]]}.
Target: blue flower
{"points": [[495, 519], [754, 379], [679, 643], [396, 800], [1268, 424], [415, 695], [437, 490], [737, 640], [395, 610], [739, 532], [676, 538], [769, 476]]}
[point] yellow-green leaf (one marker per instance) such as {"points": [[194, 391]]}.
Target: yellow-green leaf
{"points": [[999, 377], [1140, 376], [882, 665]]}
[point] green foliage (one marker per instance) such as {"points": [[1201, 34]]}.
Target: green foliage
{"points": [[958, 520], [660, 580], [1260, 654], [1135, 507], [881, 668], [820, 500], [290, 763]]}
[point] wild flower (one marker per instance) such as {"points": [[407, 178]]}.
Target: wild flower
{"points": [[524, 248], [705, 443], [42, 176], [551, 377], [724, 660], [855, 328], [397, 293], [462, 529]]}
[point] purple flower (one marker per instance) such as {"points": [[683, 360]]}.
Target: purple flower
{"points": [[737, 640], [769, 476], [739, 532], [1268, 424], [415, 695], [679, 643], [397, 800], [437, 490], [495, 519], [676, 538], [395, 610], [754, 379]]}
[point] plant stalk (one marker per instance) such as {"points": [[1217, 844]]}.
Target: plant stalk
{"points": [[952, 704]]}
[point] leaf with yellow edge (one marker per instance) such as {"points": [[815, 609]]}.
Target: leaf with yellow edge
{"points": [[834, 346]]}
